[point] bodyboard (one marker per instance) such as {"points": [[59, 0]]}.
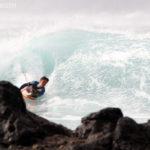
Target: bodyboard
{"points": [[27, 91], [26, 96]]}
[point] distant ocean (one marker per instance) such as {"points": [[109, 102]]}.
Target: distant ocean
{"points": [[88, 70]]}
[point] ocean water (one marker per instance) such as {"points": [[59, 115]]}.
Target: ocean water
{"points": [[88, 70]]}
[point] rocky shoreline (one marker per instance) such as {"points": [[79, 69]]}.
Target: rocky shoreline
{"points": [[106, 129]]}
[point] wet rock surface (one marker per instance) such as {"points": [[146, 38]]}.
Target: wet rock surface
{"points": [[106, 129], [18, 126], [103, 121]]}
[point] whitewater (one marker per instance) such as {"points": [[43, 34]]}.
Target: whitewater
{"points": [[88, 69]]}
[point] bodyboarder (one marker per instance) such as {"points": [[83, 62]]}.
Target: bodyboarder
{"points": [[38, 88]]}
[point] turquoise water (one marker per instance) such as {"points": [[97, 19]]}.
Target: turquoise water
{"points": [[88, 71]]}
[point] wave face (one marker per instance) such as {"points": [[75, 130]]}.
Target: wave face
{"points": [[88, 71]]}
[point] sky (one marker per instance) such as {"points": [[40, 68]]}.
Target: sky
{"points": [[77, 6], [99, 12]]}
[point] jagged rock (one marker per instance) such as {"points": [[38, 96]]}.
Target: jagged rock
{"points": [[130, 135], [19, 126], [127, 135], [103, 121], [10, 99], [106, 129], [147, 129], [95, 142]]}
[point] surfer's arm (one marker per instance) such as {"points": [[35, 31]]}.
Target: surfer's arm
{"points": [[24, 85], [28, 84], [42, 90]]}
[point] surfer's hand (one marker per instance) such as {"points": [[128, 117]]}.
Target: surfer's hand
{"points": [[29, 96]]}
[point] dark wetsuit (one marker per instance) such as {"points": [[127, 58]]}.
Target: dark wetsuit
{"points": [[37, 91]]}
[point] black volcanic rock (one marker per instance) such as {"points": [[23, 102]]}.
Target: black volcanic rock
{"points": [[103, 121], [10, 99], [130, 135], [106, 129], [18, 125], [109, 130]]}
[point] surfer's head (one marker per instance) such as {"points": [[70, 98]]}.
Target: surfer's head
{"points": [[44, 78], [43, 81]]}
